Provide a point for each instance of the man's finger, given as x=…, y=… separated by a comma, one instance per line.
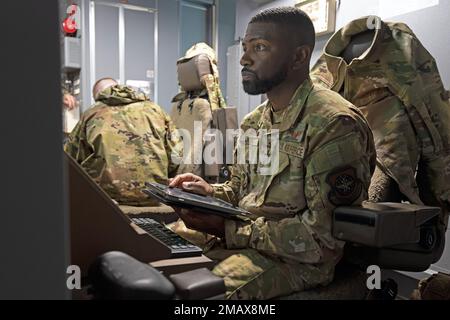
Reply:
x=196, y=187
x=180, y=178
x=173, y=182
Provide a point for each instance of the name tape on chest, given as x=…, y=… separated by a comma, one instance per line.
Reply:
x=292, y=149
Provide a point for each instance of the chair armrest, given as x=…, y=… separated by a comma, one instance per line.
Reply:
x=198, y=284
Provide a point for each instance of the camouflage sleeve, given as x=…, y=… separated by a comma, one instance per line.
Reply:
x=215, y=94
x=78, y=145
x=73, y=145
x=397, y=146
x=337, y=172
x=230, y=190
x=174, y=147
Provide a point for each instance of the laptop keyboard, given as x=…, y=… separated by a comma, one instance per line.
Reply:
x=180, y=247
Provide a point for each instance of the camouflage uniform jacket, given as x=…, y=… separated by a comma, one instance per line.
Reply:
x=326, y=159
x=397, y=86
x=123, y=141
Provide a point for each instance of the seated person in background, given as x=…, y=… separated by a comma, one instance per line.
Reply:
x=123, y=141
x=326, y=159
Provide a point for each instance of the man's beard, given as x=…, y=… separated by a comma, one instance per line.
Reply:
x=258, y=86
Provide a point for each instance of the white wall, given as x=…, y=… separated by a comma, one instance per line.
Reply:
x=244, y=11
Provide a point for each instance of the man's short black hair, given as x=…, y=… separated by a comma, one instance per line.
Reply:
x=295, y=20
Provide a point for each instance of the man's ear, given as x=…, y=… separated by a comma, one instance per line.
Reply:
x=302, y=56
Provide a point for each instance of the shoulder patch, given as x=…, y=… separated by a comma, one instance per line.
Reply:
x=345, y=186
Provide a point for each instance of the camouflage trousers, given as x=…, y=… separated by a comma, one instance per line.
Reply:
x=435, y=287
x=248, y=274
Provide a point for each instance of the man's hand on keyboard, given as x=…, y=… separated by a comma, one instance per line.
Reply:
x=211, y=224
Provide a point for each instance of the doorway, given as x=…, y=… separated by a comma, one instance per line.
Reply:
x=123, y=42
x=197, y=24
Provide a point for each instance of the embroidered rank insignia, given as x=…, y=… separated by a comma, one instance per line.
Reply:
x=345, y=186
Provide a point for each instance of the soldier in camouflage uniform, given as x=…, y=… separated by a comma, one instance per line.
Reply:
x=396, y=84
x=123, y=141
x=326, y=159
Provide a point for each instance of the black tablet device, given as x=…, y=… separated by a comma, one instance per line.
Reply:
x=176, y=197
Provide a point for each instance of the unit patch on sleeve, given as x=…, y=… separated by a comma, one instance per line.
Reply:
x=345, y=186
